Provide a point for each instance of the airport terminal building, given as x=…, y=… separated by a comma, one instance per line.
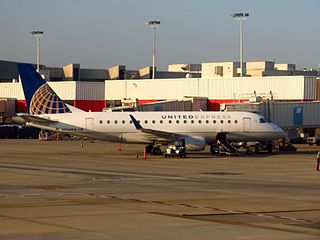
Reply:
x=209, y=86
x=219, y=82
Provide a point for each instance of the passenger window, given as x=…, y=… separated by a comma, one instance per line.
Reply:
x=153, y=121
x=221, y=121
x=123, y=121
x=170, y=121
x=130, y=122
x=108, y=121
x=177, y=121
x=161, y=121
x=199, y=121
x=214, y=121
x=207, y=121
x=100, y=121
x=192, y=121
x=229, y=121
x=235, y=121
x=184, y=121
x=146, y=121
x=115, y=121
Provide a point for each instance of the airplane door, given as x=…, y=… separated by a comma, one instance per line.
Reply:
x=246, y=124
x=89, y=123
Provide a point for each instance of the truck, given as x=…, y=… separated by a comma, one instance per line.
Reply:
x=314, y=140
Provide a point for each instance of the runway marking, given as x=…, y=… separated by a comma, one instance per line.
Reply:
x=194, y=206
x=117, y=175
x=239, y=223
x=265, y=215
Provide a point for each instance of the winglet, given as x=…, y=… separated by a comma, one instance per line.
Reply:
x=136, y=123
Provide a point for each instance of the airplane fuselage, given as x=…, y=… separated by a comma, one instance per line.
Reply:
x=193, y=129
x=118, y=127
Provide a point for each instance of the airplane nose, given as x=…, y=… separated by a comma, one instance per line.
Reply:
x=280, y=132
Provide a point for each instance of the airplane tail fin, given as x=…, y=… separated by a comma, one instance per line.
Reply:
x=40, y=97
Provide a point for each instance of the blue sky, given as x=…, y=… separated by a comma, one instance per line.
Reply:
x=103, y=33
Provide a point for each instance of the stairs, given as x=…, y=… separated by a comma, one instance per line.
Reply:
x=227, y=146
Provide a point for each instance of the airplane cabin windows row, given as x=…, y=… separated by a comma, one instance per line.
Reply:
x=170, y=121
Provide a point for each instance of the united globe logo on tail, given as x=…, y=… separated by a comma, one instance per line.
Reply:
x=45, y=101
x=40, y=97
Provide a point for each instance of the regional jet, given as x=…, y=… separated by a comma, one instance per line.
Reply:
x=195, y=129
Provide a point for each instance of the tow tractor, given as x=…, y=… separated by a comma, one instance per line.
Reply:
x=175, y=151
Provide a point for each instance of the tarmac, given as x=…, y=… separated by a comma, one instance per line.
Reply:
x=60, y=190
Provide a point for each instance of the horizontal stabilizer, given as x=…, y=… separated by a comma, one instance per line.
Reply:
x=36, y=119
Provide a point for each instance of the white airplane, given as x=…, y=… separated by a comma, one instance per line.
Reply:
x=194, y=129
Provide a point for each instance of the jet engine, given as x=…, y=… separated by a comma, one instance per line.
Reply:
x=195, y=143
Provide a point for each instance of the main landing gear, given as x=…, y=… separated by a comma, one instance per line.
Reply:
x=256, y=147
x=153, y=150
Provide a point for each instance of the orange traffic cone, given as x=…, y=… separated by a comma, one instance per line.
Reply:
x=119, y=146
x=144, y=153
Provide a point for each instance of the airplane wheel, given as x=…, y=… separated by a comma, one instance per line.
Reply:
x=249, y=152
x=156, y=151
x=256, y=149
x=149, y=148
x=214, y=149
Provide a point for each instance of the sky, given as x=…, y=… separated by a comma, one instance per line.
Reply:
x=104, y=33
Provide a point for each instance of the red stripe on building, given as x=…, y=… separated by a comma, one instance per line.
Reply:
x=214, y=104
x=21, y=106
x=90, y=105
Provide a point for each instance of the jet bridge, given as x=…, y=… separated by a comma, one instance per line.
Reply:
x=294, y=117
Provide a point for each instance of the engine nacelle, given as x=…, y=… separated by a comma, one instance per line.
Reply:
x=195, y=143
x=18, y=120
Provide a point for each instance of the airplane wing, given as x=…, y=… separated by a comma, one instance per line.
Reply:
x=151, y=134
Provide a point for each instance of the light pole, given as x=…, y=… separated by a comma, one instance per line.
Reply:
x=37, y=35
x=240, y=17
x=153, y=24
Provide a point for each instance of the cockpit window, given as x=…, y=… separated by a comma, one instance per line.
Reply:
x=263, y=120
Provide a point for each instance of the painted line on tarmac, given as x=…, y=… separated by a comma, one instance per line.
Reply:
x=264, y=215
x=98, y=195
x=118, y=175
x=29, y=195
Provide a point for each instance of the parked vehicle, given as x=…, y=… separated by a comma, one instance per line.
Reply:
x=175, y=151
x=314, y=140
